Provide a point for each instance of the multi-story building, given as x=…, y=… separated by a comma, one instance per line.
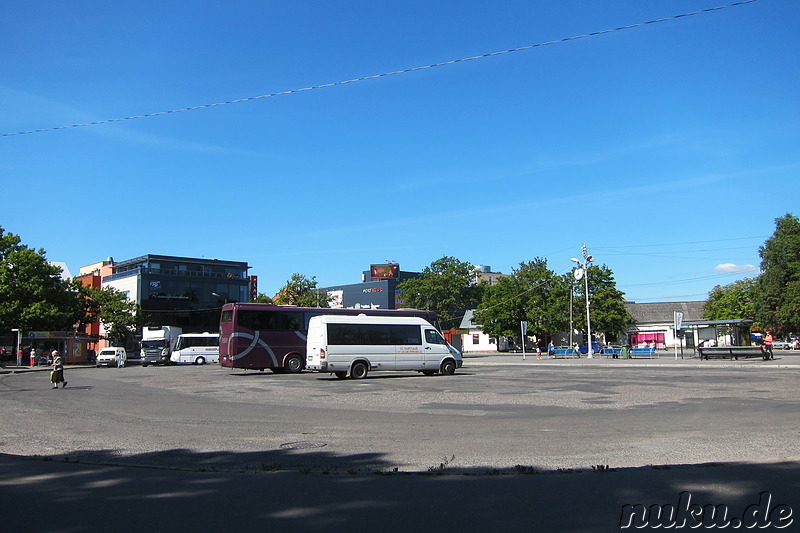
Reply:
x=377, y=290
x=180, y=291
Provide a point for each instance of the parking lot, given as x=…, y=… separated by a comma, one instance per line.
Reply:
x=503, y=444
x=494, y=413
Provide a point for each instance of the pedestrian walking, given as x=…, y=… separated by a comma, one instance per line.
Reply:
x=57, y=374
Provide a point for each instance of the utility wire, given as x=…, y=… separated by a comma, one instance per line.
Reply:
x=385, y=74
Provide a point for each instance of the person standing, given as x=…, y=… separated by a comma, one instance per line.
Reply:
x=768, y=340
x=121, y=357
x=57, y=375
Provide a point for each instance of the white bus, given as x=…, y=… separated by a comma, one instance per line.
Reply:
x=196, y=348
x=356, y=345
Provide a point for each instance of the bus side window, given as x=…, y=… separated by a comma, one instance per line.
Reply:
x=406, y=335
x=288, y=320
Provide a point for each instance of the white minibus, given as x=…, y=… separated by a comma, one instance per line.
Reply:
x=196, y=348
x=356, y=345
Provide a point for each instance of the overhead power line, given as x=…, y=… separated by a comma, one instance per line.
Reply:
x=375, y=76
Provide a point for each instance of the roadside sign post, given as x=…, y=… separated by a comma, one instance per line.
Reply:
x=678, y=325
x=524, y=327
x=19, y=345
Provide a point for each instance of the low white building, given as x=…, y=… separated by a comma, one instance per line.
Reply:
x=473, y=339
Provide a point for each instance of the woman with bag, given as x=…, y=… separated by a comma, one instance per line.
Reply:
x=57, y=374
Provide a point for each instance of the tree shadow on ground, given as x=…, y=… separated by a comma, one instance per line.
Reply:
x=181, y=490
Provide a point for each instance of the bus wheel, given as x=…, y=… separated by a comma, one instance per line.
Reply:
x=359, y=370
x=448, y=368
x=200, y=360
x=293, y=364
x=341, y=375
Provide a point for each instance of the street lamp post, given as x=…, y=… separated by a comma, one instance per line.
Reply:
x=583, y=271
x=571, y=298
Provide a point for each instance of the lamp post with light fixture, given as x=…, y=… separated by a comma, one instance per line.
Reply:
x=583, y=272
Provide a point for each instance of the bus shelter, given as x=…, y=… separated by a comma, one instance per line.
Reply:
x=733, y=332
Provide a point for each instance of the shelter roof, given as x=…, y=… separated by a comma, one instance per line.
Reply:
x=664, y=312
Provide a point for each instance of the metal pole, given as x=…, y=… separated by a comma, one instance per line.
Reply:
x=589, y=350
x=586, y=260
x=571, y=297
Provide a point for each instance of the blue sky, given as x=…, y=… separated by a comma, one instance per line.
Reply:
x=669, y=149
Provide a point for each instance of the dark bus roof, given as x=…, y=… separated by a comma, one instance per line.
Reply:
x=327, y=310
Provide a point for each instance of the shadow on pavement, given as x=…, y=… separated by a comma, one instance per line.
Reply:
x=179, y=490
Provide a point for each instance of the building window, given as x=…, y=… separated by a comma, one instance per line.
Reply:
x=476, y=338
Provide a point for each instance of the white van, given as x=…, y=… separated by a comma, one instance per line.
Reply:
x=356, y=345
x=108, y=356
x=196, y=348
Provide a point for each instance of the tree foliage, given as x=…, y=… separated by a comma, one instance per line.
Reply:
x=446, y=286
x=32, y=294
x=302, y=292
x=535, y=294
x=262, y=298
x=121, y=317
x=606, y=303
x=531, y=293
x=34, y=297
x=732, y=301
x=777, y=294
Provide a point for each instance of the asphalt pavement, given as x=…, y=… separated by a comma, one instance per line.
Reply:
x=68, y=494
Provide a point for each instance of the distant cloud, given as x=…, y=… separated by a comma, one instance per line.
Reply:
x=736, y=269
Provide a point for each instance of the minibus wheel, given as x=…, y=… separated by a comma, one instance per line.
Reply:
x=341, y=375
x=448, y=368
x=359, y=370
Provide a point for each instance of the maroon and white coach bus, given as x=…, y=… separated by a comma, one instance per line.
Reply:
x=261, y=336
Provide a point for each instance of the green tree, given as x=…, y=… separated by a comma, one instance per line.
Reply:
x=531, y=293
x=302, y=292
x=33, y=296
x=262, y=298
x=446, y=286
x=607, y=303
x=121, y=317
x=732, y=301
x=777, y=293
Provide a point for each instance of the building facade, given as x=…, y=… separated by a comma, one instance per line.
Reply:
x=180, y=291
x=378, y=289
x=653, y=323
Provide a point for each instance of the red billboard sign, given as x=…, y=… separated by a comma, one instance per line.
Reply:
x=388, y=271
